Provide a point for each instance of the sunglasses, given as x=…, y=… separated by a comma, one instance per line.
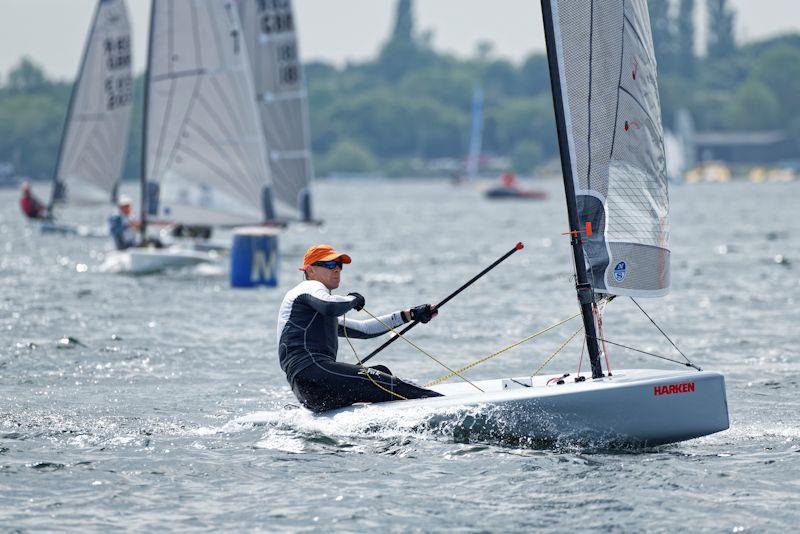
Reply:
x=328, y=264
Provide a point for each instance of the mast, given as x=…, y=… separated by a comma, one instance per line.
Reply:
x=68, y=119
x=143, y=163
x=582, y=286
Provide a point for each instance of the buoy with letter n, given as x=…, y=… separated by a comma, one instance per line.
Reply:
x=254, y=257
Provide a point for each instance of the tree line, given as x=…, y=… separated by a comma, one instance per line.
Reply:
x=412, y=104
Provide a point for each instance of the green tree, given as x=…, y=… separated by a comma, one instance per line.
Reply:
x=663, y=35
x=780, y=67
x=754, y=106
x=26, y=76
x=403, y=52
x=684, y=46
x=403, y=22
x=526, y=156
x=534, y=75
x=347, y=156
x=721, y=42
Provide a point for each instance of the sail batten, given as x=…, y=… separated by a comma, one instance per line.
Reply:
x=612, y=111
x=271, y=39
x=204, y=146
x=94, y=141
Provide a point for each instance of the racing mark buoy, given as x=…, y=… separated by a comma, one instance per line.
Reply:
x=254, y=257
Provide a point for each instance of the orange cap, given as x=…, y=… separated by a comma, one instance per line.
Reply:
x=322, y=253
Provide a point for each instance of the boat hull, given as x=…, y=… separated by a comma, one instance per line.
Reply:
x=502, y=192
x=636, y=407
x=52, y=227
x=153, y=260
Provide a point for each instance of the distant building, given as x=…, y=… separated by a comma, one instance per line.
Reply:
x=747, y=148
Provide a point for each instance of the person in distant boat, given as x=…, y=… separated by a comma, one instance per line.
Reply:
x=31, y=206
x=121, y=227
x=311, y=319
x=509, y=179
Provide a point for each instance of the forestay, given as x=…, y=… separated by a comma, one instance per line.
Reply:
x=204, y=148
x=269, y=31
x=95, y=136
x=610, y=96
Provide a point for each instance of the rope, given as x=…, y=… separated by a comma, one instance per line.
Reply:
x=664, y=333
x=559, y=349
x=499, y=352
x=687, y=364
x=455, y=373
x=366, y=371
x=598, y=313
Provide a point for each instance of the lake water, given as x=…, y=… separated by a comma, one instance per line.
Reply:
x=131, y=424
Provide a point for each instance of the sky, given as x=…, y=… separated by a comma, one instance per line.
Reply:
x=52, y=32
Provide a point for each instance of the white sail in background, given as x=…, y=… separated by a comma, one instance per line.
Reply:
x=476, y=134
x=269, y=31
x=204, y=145
x=95, y=136
x=610, y=97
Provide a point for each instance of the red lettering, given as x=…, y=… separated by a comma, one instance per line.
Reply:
x=686, y=387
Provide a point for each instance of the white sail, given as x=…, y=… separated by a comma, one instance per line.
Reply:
x=610, y=97
x=271, y=38
x=95, y=134
x=204, y=147
x=476, y=134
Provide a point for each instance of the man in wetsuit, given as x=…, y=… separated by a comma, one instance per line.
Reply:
x=31, y=206
x=310, y=320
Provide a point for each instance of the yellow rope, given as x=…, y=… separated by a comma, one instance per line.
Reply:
x=499, y=352
x=455, y=373
x=559, y=349
x=363, y=367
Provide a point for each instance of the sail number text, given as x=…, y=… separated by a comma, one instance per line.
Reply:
x=275, y=16
x=118, y=84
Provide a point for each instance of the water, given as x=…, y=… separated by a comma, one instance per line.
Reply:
x=131, y=423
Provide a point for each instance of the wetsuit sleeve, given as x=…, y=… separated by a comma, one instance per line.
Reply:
x=370, y=327
x=326, y=304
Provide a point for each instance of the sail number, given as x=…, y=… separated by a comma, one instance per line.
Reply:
x=288, y=66
x=118, y=84
x=117, y=52
x=275, y=16
x=118, y=91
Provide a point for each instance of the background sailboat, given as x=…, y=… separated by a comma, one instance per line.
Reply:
x=94, y=140
x=476, y=135
x=271, y=40
x=203, y=160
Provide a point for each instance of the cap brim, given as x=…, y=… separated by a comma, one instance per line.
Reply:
x=330, y=257
x=336, y=256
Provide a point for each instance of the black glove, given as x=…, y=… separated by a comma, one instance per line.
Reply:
x=358, y=301
x=423, y=313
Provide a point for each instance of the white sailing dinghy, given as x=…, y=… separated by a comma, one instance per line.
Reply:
x=476, y=135
x=203, y=152
x=603, y=77
x=94, y=140
x=271, y=40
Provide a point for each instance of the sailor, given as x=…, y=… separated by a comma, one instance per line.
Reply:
x=310, y=319
x=121, y=227
x=31, y=206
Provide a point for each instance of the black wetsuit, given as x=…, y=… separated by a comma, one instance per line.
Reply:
x=309, y=324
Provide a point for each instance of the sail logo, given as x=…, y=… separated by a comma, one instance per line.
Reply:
x=672, y=389
x=631, y=124
x=620, y=270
